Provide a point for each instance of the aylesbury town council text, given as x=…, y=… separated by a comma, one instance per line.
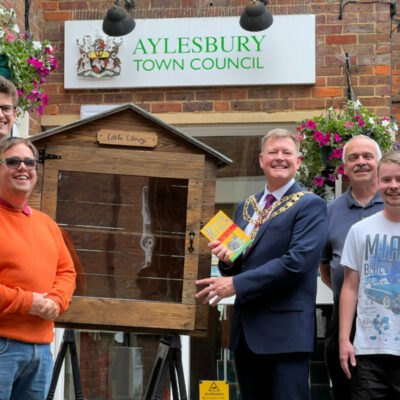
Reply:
x=172, y=53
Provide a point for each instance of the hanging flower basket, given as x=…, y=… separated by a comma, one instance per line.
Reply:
x=29, y=62
x=323, y=138
x=4, y=70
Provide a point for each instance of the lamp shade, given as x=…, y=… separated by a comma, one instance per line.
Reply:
x=255, y=17
x=118, y=22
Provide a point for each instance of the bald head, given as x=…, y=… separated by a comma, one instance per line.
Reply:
x=361, y=139
x=360, y=157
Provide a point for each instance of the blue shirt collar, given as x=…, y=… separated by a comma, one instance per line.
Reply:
x=377, y=199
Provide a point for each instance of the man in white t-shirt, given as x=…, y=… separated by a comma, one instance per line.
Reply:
x=371, y=256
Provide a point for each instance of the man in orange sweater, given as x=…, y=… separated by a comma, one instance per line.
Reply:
x=37, y=277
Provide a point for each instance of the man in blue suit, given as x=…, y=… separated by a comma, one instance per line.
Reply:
x=275, y=280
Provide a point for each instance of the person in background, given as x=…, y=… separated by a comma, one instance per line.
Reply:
x=8, y=106
x=37, y=277
x=371, y=256
x=362, y=199
x=272, y=331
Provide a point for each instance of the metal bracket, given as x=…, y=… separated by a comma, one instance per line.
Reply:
x=43, y=156
x=392, y=4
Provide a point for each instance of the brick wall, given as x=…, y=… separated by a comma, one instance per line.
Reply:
x=396, y=67
x=364, y=33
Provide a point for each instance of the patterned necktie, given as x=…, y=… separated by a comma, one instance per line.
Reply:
x=270, y=199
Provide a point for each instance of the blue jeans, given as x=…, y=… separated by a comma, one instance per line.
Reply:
x=25, y=370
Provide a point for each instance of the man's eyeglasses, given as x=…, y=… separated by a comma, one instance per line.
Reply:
x=15, y=162
x=7, y=109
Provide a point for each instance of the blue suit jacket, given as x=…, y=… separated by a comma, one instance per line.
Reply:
x=276, y=280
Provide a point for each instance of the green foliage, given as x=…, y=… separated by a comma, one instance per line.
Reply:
x=323, y=138
x=30, y=61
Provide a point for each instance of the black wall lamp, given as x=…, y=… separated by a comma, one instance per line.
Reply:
x=119, y=21
x=256, y=17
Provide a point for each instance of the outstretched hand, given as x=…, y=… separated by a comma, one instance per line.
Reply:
x=217, y=289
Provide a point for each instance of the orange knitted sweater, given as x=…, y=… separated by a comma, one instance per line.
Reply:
x=33, y=258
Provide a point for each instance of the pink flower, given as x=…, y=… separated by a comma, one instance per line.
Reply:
x=36, y=63
x=49, y=51
x=326, y=139
x=331, y=178
x=340, y=170
x=337, y=153
x=361, y=122
x=300, y=137
x=319, y=181
x=318, y=136
x=348, y=124
x=40, y=110
x=10, y=37
x=357, y=116
x=310, y=124
x=337, y=138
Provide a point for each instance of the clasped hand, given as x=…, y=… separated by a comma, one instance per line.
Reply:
x=43, y=307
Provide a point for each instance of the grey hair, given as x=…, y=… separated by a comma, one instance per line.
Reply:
x=378, y=150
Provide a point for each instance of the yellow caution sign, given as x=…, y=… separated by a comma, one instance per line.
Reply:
x=213, y=390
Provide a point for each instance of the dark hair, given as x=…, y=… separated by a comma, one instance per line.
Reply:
x=9, y=142
x=8, y=88
x=392, y=157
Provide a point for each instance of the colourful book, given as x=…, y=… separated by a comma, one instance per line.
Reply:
x=222, y=228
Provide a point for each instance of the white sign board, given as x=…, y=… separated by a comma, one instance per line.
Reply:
x=190, y=52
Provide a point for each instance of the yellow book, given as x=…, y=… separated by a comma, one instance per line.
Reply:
x=222, y=228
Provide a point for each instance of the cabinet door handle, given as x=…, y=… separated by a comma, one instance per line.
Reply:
x=191, y=239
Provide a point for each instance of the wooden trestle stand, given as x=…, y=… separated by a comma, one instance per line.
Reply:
x=169, y=357
x=68, y=341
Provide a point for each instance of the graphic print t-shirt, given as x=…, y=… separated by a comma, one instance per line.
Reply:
x=372, y=248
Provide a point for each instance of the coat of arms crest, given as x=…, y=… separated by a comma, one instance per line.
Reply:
x=99, y=57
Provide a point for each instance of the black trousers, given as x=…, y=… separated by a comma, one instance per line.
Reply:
x=340, y=384
x=376, y=377
x=272, y=376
